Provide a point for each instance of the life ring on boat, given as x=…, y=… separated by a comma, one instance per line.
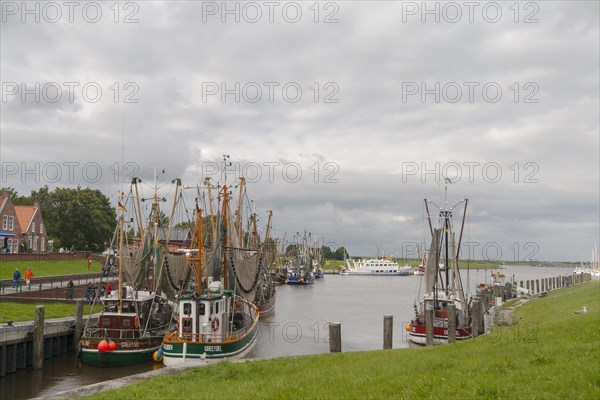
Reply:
x=215, y=324
x=136, y=321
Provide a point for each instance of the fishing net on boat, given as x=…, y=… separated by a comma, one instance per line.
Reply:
x=132, y=265
x=269, y=258
x=432, y=262
x=174, y=273
x=246, y=266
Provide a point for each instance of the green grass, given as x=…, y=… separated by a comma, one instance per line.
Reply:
x=47, y=268
x=334, y=264
x=551, y=353
x=10, y=311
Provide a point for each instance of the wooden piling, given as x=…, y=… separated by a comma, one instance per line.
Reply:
x=335, y=337
x=527, y=282
x=429, y=327
x=388, y=331
x=38, y=338
x=537, y=285
x=451, y=323
x=521, y=284
x=78, y=322
x=475, y=317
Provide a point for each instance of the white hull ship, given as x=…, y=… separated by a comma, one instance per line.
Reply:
x=375, y=266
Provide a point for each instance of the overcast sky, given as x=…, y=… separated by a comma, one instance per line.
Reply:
x=372, y=102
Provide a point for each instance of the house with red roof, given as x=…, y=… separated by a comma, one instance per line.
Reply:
x=22, y=227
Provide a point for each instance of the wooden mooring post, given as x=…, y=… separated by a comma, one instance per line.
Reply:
x=78, y=322
x=38, y=338
x=388, y=331
x=475, y=317
x=451, y=323
x=429, y=326
x=335, y=337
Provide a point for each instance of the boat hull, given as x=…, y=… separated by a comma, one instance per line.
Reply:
x=267, y=308
x=373, y=273
x=192, y=352
x=418, y=334
x=295, y=281
x=128, y=352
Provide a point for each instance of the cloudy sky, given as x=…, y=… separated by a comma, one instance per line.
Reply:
x=343, y=115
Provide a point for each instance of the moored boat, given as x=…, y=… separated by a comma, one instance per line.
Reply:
x=440, y=293
x=135, y=317
x=217, y=314
x=382, y=266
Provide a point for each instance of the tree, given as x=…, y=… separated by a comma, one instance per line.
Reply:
x=15, y=198
x=340, y=253
x=326, y=251
x=77, y=217
x=291, y=250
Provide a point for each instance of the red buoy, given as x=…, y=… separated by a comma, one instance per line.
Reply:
x=103, y=346
x=112, y=346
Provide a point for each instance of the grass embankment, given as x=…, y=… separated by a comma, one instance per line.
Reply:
x=550, y=353
x=47, y=268
x=16, y=312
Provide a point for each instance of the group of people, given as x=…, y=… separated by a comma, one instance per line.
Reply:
x=91, y=291
x=17, y=277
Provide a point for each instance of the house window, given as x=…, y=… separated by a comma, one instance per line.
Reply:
x=9, y=245
x=16, y=246
x=29, y=242
x=35, y=243
x=11, y=223
x=42, y=245
x=41, y=227
x=5, y=222
x=33, y=227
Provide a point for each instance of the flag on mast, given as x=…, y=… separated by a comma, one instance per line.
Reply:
x=120, y=207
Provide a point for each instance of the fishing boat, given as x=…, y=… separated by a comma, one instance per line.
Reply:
x=379, y=266
x=300, y=270
x=266, y=292
x=441, y=290
x=217, y=314
x=135, y=317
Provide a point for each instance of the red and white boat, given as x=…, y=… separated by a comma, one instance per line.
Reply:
x=442, y=289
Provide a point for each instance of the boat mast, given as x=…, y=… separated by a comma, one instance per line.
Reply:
x=155, y=226
x=199, y=257
x=120, y=309
x=177, y=182
x=213, y=229
x=134, y=182
x=446, y=215
x=270, y=214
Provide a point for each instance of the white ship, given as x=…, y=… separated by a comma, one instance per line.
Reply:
x=375, y=266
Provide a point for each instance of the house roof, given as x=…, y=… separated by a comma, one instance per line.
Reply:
x=177, y=234
x=4, y=202
x=25, y=215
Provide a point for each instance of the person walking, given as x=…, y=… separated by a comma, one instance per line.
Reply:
x=89, y=258
x=17, y=278
x=28, y=276
x=70, y=290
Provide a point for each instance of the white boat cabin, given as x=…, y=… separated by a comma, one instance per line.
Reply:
x=207, y=314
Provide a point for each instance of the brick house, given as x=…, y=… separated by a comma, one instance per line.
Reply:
x=22, y=226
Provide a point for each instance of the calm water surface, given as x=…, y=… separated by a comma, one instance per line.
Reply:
x=298, y=326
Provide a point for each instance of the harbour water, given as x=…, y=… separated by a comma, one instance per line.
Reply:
x=299, y=326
